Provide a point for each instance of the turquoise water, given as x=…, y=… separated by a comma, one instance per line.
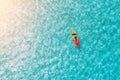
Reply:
x=39, y=46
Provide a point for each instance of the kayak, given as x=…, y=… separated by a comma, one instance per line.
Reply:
x=75, y=38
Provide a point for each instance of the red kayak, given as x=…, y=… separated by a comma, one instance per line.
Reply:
x=75, y=38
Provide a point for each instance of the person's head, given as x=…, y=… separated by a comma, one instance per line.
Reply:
x=75, y=37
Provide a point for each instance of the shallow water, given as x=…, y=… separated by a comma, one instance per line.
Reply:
x=36, y=42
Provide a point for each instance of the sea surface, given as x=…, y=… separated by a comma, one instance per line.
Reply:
x=36, y=41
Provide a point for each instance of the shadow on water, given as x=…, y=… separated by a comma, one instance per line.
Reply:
x=78, y=48
x=75, y=50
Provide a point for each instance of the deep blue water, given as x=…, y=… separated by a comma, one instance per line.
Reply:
x=40, y=45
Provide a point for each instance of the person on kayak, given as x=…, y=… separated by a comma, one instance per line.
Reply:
x=75, y=38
